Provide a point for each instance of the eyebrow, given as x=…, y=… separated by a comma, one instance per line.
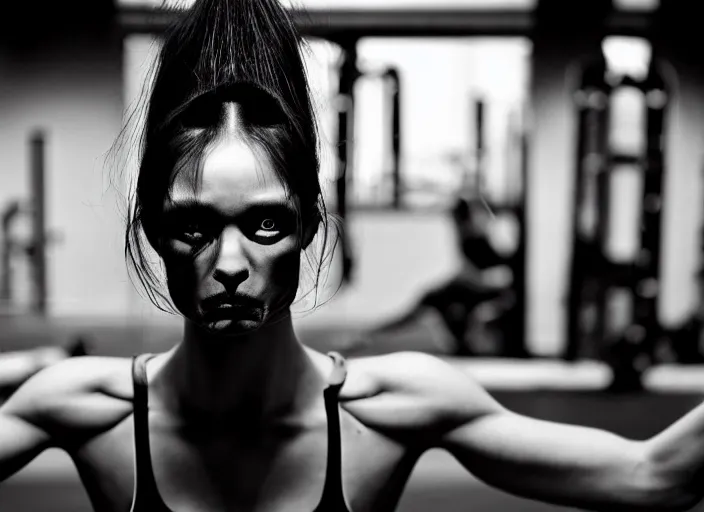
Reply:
x=195, y=205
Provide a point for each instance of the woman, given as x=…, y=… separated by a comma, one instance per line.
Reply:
x=239, y=415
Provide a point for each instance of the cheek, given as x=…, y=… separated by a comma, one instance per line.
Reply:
x=181, y=260
x=281, y=267
x=185, y=275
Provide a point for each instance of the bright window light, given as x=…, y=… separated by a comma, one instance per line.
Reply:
x=627, y=55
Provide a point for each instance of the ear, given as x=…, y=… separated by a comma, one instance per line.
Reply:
x=311, y=229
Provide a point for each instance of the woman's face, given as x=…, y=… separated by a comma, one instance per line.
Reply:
x=231, y=244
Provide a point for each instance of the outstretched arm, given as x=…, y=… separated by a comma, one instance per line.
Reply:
x=423, y=400
x=22, y=435
x=576, y=466
x=62, y=406
x=678, y=455
x=20, y=443
x=18, y=366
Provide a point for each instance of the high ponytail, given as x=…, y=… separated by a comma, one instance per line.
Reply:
x=247, y=51
x=224, y=42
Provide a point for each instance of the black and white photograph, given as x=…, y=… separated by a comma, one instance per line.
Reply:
x=351, y=256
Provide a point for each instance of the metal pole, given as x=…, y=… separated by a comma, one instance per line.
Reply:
x=38, y=201
x=646, y=297
x=345, y=143
x=8, y=216
x=479, y=148
x=516, y=343
x=592, y=100
x=392, y=76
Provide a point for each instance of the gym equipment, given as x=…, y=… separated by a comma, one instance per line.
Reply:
x=35, y=249
x=594, y=276
x=349, y=74
x=9, y=215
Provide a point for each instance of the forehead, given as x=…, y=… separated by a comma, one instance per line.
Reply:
x=233, y=171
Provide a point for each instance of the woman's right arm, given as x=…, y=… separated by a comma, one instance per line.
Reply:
x=25, y=421
x=62, y=406
x=18, y=366
x=20, y=442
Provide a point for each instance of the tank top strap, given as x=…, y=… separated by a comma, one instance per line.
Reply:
x=337, y=376
x=145, y=484
x=333, y=495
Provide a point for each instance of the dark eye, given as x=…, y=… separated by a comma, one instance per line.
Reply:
x=191, y=224
x=268, y=225
x=268, y=228
x=192, y=233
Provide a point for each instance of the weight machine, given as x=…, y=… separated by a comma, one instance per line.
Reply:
x=35, y=249
x=594, y=276
x=349, y=74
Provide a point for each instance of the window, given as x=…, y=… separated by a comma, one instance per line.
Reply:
x=627, y=55
x=443, y=84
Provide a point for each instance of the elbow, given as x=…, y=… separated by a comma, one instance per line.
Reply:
x=676, y=501
x=667, y=486
x=673, y=499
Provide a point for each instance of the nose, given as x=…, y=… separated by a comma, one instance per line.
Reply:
x=232, y=266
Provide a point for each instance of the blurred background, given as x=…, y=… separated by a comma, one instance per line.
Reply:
x=519, y=182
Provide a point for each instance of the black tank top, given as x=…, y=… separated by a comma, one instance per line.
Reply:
x=146, y=494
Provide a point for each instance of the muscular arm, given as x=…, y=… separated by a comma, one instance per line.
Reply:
x=562, y=464
x=20, y=443
x=678, y=455
x=18, y=366
x=424, y=400
x=61, y=406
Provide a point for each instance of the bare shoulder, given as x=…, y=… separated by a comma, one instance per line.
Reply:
x=412, y=391
x=75, y=398
x=415, y=372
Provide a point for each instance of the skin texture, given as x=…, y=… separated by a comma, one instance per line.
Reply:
x=18, y=366
x=237, y=418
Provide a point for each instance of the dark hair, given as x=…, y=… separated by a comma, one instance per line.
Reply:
x=246, y=51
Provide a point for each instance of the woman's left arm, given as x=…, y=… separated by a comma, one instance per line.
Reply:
x=425, y=400
x=583, y=467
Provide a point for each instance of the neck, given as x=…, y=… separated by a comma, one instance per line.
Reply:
x=260, y=376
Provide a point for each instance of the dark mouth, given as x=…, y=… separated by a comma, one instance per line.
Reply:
x=227, y=307
x=229, y=313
